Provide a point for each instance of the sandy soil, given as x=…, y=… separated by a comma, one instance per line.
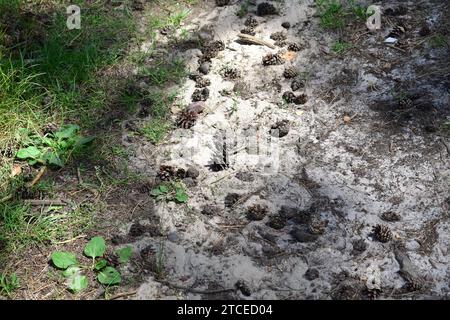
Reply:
x=367, y=149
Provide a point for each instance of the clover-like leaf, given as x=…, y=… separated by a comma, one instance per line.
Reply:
x=95, y=248
x=63, y=260
x=109, y=276
x=77, y=283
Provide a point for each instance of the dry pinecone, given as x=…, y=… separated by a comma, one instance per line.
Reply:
x=289, y=96
x=211, y=50
x=222, y=3
x=201, y=82
x=265, y=9
x=382, y=233
x=294, y=47
x=277, y=36
x=190, y=115
x=166, y=173
x=397, y=31
x=249, y=30
x=231, y=73
x=301, y=99
x=276, y=222
x=50, y=128
x=297, y=85
x=280, y=43
x=216, y=45
x=251, y=22
x=256, y=212
x=273, y=59
x=390, y=216
x=200, y=95
x=290, y=72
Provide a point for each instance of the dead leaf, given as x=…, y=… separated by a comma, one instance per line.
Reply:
x=15, y=171
x=347, y=119
x=289, y=56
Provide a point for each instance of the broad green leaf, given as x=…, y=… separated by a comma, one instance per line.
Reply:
x=67, y=131
x=77, y=282
x=95, y=248
x=125, y=254
x=181, y=197
x=53, y=158
x=30, y=152
x=163, y=188
x=100, y=264
x=71, y=271
x=63, y=259
x=109, y=276
x=156, y=192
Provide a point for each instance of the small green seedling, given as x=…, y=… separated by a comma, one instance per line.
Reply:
x=8, y=284
x=95, y=249
x=340, y=47
x=52, y=149
x=171, y=191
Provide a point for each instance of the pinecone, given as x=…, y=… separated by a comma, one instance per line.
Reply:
x=297, y=84
x=222, y=3
x=278, y=36
x=256, y=212
x=231, y=73
x=200, y=95
x=202, y=82
x=276, y=222
x=397, y=31
x=166, y=173
x=216, y=45
x=290, y=72
x=50, y=128
x=280, y=43
x=211, y=50
x=294, y=47
x=301, y=99
x=382, y=233
x=265, y=9
x=289, y=96
x=251, y=22
x=190, y=115
x=390, y=216
x=317, y=227
x=286, y=25
x=249, y=30
x=273, y=59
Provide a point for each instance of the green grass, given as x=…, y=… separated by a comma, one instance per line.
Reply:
x=8, y=284
x=341, y=47
x=334, y=14
x=243, y=9
x=21, y=227
x=165, y=71
x=438, y=41
x=331, y=13
x=156, y=130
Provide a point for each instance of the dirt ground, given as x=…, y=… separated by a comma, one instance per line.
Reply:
x=336, y=190
x=349, y=202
